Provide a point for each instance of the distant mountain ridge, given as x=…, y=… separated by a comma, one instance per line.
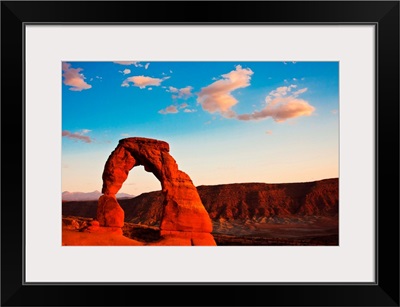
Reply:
x=260, y=202
x=85, y=196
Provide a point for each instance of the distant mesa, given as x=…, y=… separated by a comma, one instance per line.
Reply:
x=241, y=214
x=85, y=196
x=183, y=213
x=248, y=202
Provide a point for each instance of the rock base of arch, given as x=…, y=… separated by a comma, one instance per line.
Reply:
x=195, y=238
x=109, y=212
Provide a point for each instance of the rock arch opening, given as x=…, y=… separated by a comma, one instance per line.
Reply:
x=183, y=212
x=140, y=181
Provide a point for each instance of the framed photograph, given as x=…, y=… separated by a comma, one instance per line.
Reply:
x=249, y=152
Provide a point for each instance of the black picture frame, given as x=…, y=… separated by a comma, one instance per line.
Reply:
x=383, y=14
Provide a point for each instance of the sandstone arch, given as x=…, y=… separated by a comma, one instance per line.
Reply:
x=183, y=212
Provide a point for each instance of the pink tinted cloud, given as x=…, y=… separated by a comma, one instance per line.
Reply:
x=300, y=91
x=281, y=91
x=73, y=78
x=185, y=108
x=282, y=104
x=168, y=110
x=281, y=110
x=217, y=96
x=78, y=135
x=184, y=92
x=143, y=81
x=126, y=71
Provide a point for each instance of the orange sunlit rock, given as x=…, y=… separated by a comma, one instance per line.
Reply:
x=109, y=212
x=183, y=210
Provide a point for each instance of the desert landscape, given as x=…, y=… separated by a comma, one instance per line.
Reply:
x=200, y=153
x=242, y=214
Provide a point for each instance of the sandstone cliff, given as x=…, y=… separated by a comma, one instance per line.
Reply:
x=261, y=202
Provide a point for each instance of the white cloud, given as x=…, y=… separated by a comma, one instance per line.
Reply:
x=73, y=78
x=147, y=65
x=143, y=81
x=135, y=63
x=217, y=96
x=189, y=110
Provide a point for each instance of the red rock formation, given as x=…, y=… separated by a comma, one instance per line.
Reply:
x=237, y=201
x=183, y=210
x=109, y=212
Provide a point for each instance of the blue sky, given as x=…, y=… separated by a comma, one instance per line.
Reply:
x=225, y=122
